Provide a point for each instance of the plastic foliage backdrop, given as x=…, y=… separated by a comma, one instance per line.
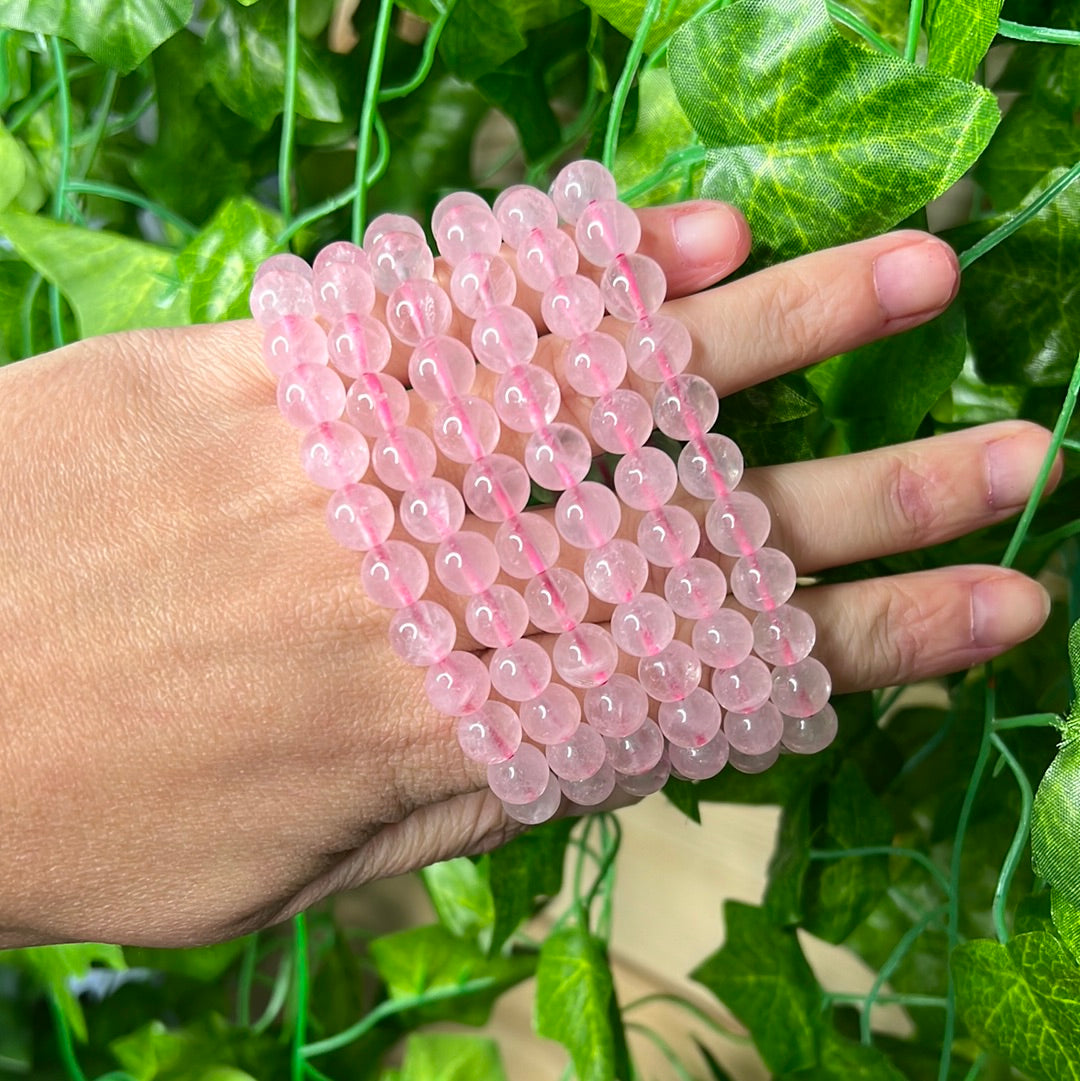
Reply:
x=151, y=154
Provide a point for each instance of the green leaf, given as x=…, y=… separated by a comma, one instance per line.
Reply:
x=845, y=1060
x=1066, y=917
x=459, y=892
x=1023, y=1001
x=120, y=34
x=573, y=996
x=888, y=17
x=768, y=422
x=844, y=143
x=12, y=168
x=789, y=863
x=204, y=963
x=625, y=16
x=761, y=975
x=959, y=33
x=480, y=36
x=445, y=1057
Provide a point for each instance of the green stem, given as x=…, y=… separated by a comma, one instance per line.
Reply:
x=431, y=43
x=288, y=113
x=678, y=159
x=371, y=95
x=1051, y=34
x=1016, y=849
x=300, y=966
x=853, y=997
x=665, y=1049
x=1071, y=444
x=626, y=80
x=915, y=14
x=278, y=995
x=976, y=1068
x=1027, y=720
x=1055, y=536
x=691, y=1008
x=26, y=109
x=63, y=91
x=63, y=1041
x=245, y=981
x=912, y=854
x=887, y=700
x=26, y=314
x=853, y=22
x=123, y=195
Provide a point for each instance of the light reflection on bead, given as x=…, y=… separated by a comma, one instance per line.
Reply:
x=764, y=580
x=579, y=756
x=334, y=454
x=637, y=752
x=294, y=340
x=587, y=515
x=382, y=224
x=544, y=807
x=417, y=310
x=808, y=735
x=607, y=228
x=423, y=633
x=432, y=510
x=520, y=209
x=594, y=364
x=577, y=185
x=503, y=338
x=496, y=488
x=480, y=282
x=520, y=671
x=801, y=689
x=784, y=635
x=643, y=626
x=527, y=398
x=744, y=687
x=394, y=575
x=591, y=791
x=343, y=288
x=441, y=369
x=658, y=348
x=646, y=478
x=497, y=617
x=723, y=639
x=738, y=525
x=544, y=256
x=467, y=563
x=558, y=457
x=310, y=394
x=700, y=763
x=616, y=572
x=618, y=707
x=490, y=734
x=466, y=429
x=458, y=684
x=671, y=674
x=668, y=536
x=692, y=722
x=645, y=784
x=359, y=344
x=695, y=589
x=756, y=732
x=360, y=516
x=341, y=251
x=553, y=716
x=633, y=287
x=572, y=305
x=586, y=656
x=686, y=407
x=557, y=600
x=278, y=293
x=399, y=257
x=527, y=545
x=621, y=421
x=711, y=470
x=402, y=457
x=523, y=778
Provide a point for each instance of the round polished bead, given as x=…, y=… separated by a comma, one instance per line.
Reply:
x=695, y=589
x=700, y=763
x=394, y=575
x=496, y=488
x=723, y=639
x=431, y=510
x=520, y=209
x=527, y=545
x=539, y=810
x=497, y=617
x=643, y=626
x=400, y=257
x=544, y=256
x=607, y=228
x=658, y=348
x=557, y=600
x=646, y=478
x=645, y=784
x=633, y=287
x=616, y=572
x=359, y=344
x=527, y=398
x=579, y=756
x=441, y=369
x=785, y=635
x=458, y=685
x=279, y=293
x=376, y=404
x=738, y=525
x=423, y=633
x=466, y=229
x=285, y=262
x=587, y=515
x=466, y=429
x=753, y=763
x=521, y=779
x=558, y=457
x=467, y=563
x=712, y=469
x=334, y=454
x=417, y=310
x=480, y=282
x=686, y=407
x=621, y=421
x=503, y=338
x=341, y=251
x=671, y=674
x=693, y=722
x=744, y=687
x=520, y=671
x=754, y=733
x=360, y=516
x=293, y=340
x=668, y=536
x=382, y=224
x=764, y=580
x=592, y=790
x=594, y=364
x=808, y=735
x=455, y=201
x=638, y=751
x=403, y=457
x=586, y=656
x=618, y=707
x=490, y=734
x=343, y=288
x=579, y=184
x=801, y=689
x=552, y=716
x=310, y=394
x=571, y=306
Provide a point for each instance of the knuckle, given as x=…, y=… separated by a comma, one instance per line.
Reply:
x=911, y=508
x=799, y=308
x=911, y=622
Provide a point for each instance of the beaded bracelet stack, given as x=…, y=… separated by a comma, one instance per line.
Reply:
x=623, y=704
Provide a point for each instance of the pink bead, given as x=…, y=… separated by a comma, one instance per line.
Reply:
x=668, y=536
x=754, y=733
x=753, y=763
x=286, y=263
x=544, y=256
x=441, y=369
x=591, y=791
x=520, y=209
x=279, y=293
x=527, y=545
x=377, y=404
x=557, y=600
x=700, y=763
x=616, y=572
x=341, y=251
x=504, y=337
x=784, y=635
x=497, y=617
x=310, y=394
x=577, y=185
x=394, y=575
x=686, y=408
x=403, y=457
x=764, y=580
x=693, y=722
x=552, y=716
x=571, y=306
x=645, y=784
x=607, y=228
x=423, y=633
x=521, y=779
x=527, y=398
x=490, y=734
x=455, y=201
x=466, y=229
x=467, y=563
x=578, y=757
x=586, y=656
x=808, y=735
x=382, y=224
x=658, y=348
x=360, y=516
x=480, y=282
x=744, y=687
x=594, y=364
x=633, y=287
x=343, y=288
x=558, y=457
x=431, y=510
x=695, y=589
x=738, y=525
x=466, y=429
x=359, y=344
x=334, y=454
x=637, y=752
x=645, y=479
x=544, y=807
x=617, y=708
x=643, y=626
x=723, y=639
x=496, y=488
x=458, y=684
x=671, y=674
x=621, y=421
x=293, y=340
x=713, y=470
x=520, y=671
x=588, y=515
x=801, y=689
x=399, y=257
x=417, y=310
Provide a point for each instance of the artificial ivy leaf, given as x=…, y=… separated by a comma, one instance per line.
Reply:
x=119, y=34
x=845, y=1060
x=480, y=36
x=959, y=33
x=768, y=421
x=1066, y=917
x=12, y=168
x=625, y=16
x=971, y=401
x=16, y=279
x=446, y=1057
x=460, y=895
x=789, y=863
x=761, y=975
x=204, y=963
x=817, y=139
x=888, y=17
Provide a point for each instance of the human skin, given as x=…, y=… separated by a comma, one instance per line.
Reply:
x=202, y=728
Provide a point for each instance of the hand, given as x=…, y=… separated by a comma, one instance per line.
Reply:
x=202, y=729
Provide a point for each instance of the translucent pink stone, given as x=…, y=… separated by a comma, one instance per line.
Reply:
x=465, y=229
x=285, y=262
x=399, y=257
x=395, y=574
x=784, y=635
x=557, y=600
x=417, y=310
x=754, y=733
x=293, y=340
x=467, y=563
x=638, y=751
x=753, y=763
x=466, y=429
x=744, y=687
x=686, y=407
x=645, y=479
x=586, y=656
x=658, y=348
x=558, y=457
x=458, y=685
x=377, y=404
x=605, y=229
x=693, y=722
x=441, y=369
x=341, y=288
x=480, y=282
x=645, y=784
x=695, y=589
x=668, y=536
x=579, y=756
x=723, y=639
x=341, y=251
x=527, y=398
x=360, y=516
x=423, y=633
x=497, y=617
x=591, y=791
x=544, y=807
x=552, y=716
x=617, y=708
x=432, y=510
x=527, y=545
x=520, y=671
x=403, y=457
x=358, y=344
x=763, y=580
x=700, y=763
x=616, y=572
x=621, y=421
x=808, y=735
x=738, y=525
x=587, y=515
x=643, y=626
x=633, y=287
x=503, y=338
x=571, y=306
x=279, y=293
x=711, y=470
x=521, y=779
x=522, y=208
x=496, y=488
x=455, y=201
x=544, y=256
x=334, y=454
x=310, y=394
x=671, y=674
x=577, y=185
x=490, y=734
x=594, y=364
x=382, y=224
x=801, y=689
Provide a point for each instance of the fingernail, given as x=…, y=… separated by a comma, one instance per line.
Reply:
x=915, y=279
x=1007, y=610
x=1012, y=464
x=707, y=235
